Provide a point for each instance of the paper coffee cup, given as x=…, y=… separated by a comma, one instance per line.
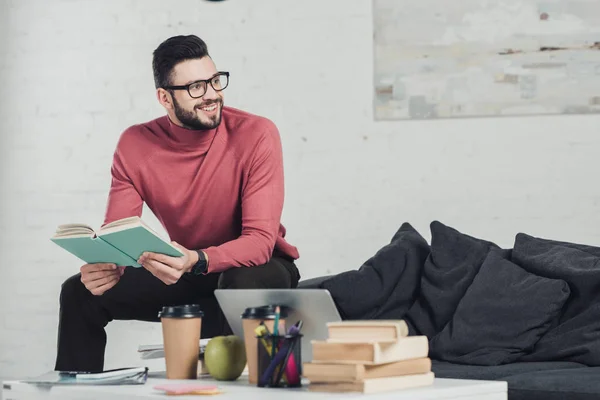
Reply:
x=181, y=326
x=251, y=319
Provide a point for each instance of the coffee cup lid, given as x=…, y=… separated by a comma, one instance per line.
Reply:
x=265, y=312
x=183, y=311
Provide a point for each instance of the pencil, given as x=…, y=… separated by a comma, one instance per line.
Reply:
x=276, y=327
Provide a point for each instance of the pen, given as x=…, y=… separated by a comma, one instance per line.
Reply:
x=275, y=343
x=289, y=363
x=276, y=327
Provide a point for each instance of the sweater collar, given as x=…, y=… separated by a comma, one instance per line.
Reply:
x=192, y=139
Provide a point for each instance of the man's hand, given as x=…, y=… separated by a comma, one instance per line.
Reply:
x=166, y=268
x=98, y=278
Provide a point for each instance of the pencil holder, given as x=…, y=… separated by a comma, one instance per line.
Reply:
x=279, y=360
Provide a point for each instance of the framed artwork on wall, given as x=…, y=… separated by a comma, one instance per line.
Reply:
x=485, y=58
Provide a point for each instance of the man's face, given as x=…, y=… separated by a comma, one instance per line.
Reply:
x=196, y=113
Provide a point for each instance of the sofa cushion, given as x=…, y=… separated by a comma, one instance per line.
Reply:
x=531, y=380
x=502, y=315
x=444, y=369
x=577, y=336
x=449, y=270
x=558, y=384
x=576, y=264
x=386, y=285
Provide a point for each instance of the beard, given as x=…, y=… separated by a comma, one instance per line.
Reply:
x=191, y=120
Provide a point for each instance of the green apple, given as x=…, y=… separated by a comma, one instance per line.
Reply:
x=225, y=357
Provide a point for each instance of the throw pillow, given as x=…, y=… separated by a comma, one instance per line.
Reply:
x=576, y=264
x=385, y=286
x=503, y=314
x=576, y=337
x=449, y=270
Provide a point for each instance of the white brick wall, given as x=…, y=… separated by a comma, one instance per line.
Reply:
x=76, y=73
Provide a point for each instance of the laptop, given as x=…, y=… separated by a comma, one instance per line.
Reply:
x=315, y=307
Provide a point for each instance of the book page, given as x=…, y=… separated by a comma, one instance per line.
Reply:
x=122, y=223
x=76, y=225
x=126, y=224
x=75, y=229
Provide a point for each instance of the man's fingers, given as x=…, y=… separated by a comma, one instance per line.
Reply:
x=103, y=281
x=159, y=266
x=161, y=271
x=150, y=267
x=96, y=275
x=105, y=286
x=90, y=277
x=98, y=267
x=178, y=246
x=162, y=258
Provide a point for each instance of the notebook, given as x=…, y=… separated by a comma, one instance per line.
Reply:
x=120, y=376
x=152, y=351
x=120, y=242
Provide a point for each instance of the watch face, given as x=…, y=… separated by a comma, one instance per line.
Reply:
x=199, y=267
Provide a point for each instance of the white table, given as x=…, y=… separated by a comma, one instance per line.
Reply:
x=455, y=389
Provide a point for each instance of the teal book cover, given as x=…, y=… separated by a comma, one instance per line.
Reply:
x=121, y=242
x=93, y=250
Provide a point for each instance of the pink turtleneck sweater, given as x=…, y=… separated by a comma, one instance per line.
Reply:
x=220, y=191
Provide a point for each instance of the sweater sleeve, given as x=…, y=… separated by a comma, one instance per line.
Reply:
x=123, y=198
x=261, y=205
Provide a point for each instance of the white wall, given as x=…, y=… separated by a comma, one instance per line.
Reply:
x=77, y=73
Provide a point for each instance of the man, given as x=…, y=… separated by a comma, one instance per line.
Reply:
x=213, y=176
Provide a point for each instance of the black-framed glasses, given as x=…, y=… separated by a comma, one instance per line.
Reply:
x=196, y=89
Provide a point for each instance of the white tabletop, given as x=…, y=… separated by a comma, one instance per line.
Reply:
x=441, y=389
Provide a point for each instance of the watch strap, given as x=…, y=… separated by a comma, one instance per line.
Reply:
x=201, y=266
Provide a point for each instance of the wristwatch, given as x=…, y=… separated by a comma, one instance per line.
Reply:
x=201, y=266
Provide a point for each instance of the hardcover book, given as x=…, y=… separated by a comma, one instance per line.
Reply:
x=376, y=385
x=120, y=242
x=333, y=372
x=373, y=353
x=369, y=330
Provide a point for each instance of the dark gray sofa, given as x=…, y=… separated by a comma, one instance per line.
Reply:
x=529, y=315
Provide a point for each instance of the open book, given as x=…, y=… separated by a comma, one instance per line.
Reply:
x=120, y=242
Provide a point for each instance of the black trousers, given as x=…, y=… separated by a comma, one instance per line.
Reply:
x=140, y=296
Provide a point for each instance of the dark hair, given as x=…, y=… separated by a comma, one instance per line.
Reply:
x=173, y=51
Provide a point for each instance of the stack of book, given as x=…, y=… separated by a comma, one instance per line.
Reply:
x=368, y=357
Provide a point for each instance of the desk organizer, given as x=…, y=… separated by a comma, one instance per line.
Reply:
x=279, y=360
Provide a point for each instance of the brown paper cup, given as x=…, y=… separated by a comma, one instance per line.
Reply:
x=181, y=328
